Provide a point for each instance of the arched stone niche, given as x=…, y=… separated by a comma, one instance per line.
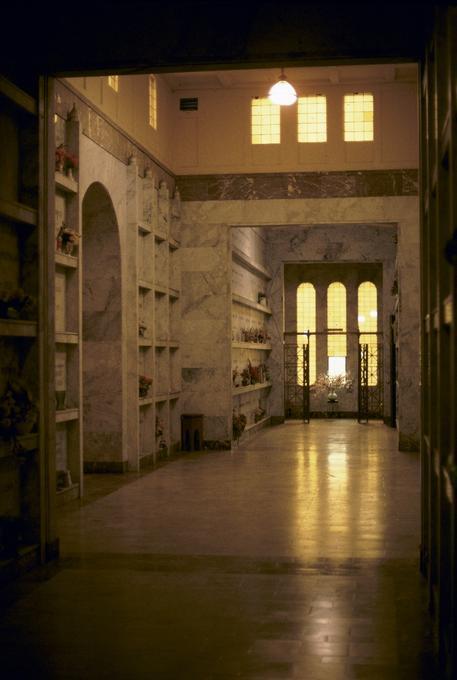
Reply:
x=102, y=333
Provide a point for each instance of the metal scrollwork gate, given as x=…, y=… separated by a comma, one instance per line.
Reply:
x=370, y=382
x=296, y=379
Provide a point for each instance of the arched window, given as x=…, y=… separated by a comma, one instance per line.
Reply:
x=336, y=327
x=306, y=321
x=367, y=316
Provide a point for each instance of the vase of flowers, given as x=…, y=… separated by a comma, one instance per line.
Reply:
x=16, y=304
x=144, y=383
x=18, y=410
x=333, y=384
x=67, y=239
x=239, y=421
x=66, y=161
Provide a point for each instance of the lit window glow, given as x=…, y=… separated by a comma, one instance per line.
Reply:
x=358, y=117
x=306, y=321
x=113, y=82
x=336, y=366
x=265, y=122
x=336, y=320
x=152, y=102
x=312, y=119
x=367, y=303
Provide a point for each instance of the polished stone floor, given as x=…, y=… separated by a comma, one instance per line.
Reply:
x=294, y=556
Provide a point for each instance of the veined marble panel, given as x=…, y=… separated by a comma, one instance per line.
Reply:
x=259, y=186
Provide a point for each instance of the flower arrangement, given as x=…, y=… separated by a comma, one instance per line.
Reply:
x=259, y=414
x=239, y=421
x=16, y=304
x=332, y=384
x=65, y=160
x=66, y=240
x=18, y=411
x=144, y=383
x=254, y=335
x=159, y=427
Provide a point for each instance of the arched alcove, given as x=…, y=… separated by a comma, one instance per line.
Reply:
x=102, y=333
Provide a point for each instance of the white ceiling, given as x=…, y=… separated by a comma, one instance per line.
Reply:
x=263, y=78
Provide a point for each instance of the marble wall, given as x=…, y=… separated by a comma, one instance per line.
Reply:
x=205, y=325
x=119, y=290
x=206, y=235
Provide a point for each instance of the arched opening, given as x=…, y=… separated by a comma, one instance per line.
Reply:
x=102, y=333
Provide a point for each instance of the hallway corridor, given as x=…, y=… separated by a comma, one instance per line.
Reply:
x=294, y=556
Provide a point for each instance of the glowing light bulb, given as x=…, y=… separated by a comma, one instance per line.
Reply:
x=282, y=92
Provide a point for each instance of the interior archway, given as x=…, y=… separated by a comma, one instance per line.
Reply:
x=102, y=333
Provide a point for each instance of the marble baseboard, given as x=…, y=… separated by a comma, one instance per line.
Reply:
x=148, y=461
x=217, y=444
x=333, y=184
x=407, y=442
x=105, y=466
x=26, y=560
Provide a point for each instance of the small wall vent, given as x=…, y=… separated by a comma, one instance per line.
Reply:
x=188, y=104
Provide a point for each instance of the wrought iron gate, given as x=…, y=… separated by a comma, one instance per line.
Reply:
x=296, y=379
x=370, y=382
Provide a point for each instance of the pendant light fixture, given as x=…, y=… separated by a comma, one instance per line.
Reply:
x=282, y=92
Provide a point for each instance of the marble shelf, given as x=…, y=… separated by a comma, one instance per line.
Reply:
x=18, y=212
x=160, y=236
x=175, y=395
x=173, y=243
x=66, y=415
x=144, y=228
x=258, y=424
x=160, y=290
x=147, y=401
x=65, y=338
x=67, y=494
x=254, y=267
x=66, y=260
x=145, y=342
x=266, y=347
x=161, y=397
x=240, y=300
x=173, y=345
x=145, y=285
x=66, y=184
x=17, y=328
x=161, y=344
x=250, y=388
x=173, y=293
